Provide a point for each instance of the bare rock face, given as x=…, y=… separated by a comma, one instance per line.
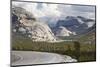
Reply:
x=42, y=32
x=62, y=31
x=25, y=23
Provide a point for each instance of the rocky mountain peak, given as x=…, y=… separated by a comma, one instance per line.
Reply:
x=24, y=23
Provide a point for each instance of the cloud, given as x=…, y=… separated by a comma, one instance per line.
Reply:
x=84, y=8
x=53, y=12
x=77, y=10
x=39, y=9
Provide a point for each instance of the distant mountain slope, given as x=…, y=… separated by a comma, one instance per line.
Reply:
x=25, y=23
x=62, y=31
x=78, y=24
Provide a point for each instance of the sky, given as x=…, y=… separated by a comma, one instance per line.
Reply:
x=51, y=13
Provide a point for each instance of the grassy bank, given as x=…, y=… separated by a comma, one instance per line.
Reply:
x=75, y=49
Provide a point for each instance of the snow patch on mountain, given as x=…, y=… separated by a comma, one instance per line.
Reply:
x=76, y=24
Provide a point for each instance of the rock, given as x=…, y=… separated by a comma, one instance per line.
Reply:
x=62, y=31
x=42, y=32
x=77, y=24
x=24, y=23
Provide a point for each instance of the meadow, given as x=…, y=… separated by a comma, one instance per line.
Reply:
x=76, y=49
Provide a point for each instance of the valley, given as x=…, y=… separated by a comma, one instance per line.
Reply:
x=34, y=34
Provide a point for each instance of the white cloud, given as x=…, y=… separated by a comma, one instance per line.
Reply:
x=46, y=9
x=52, y=12
x=76, y=10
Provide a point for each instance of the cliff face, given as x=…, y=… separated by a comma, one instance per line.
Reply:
x=25, y=23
